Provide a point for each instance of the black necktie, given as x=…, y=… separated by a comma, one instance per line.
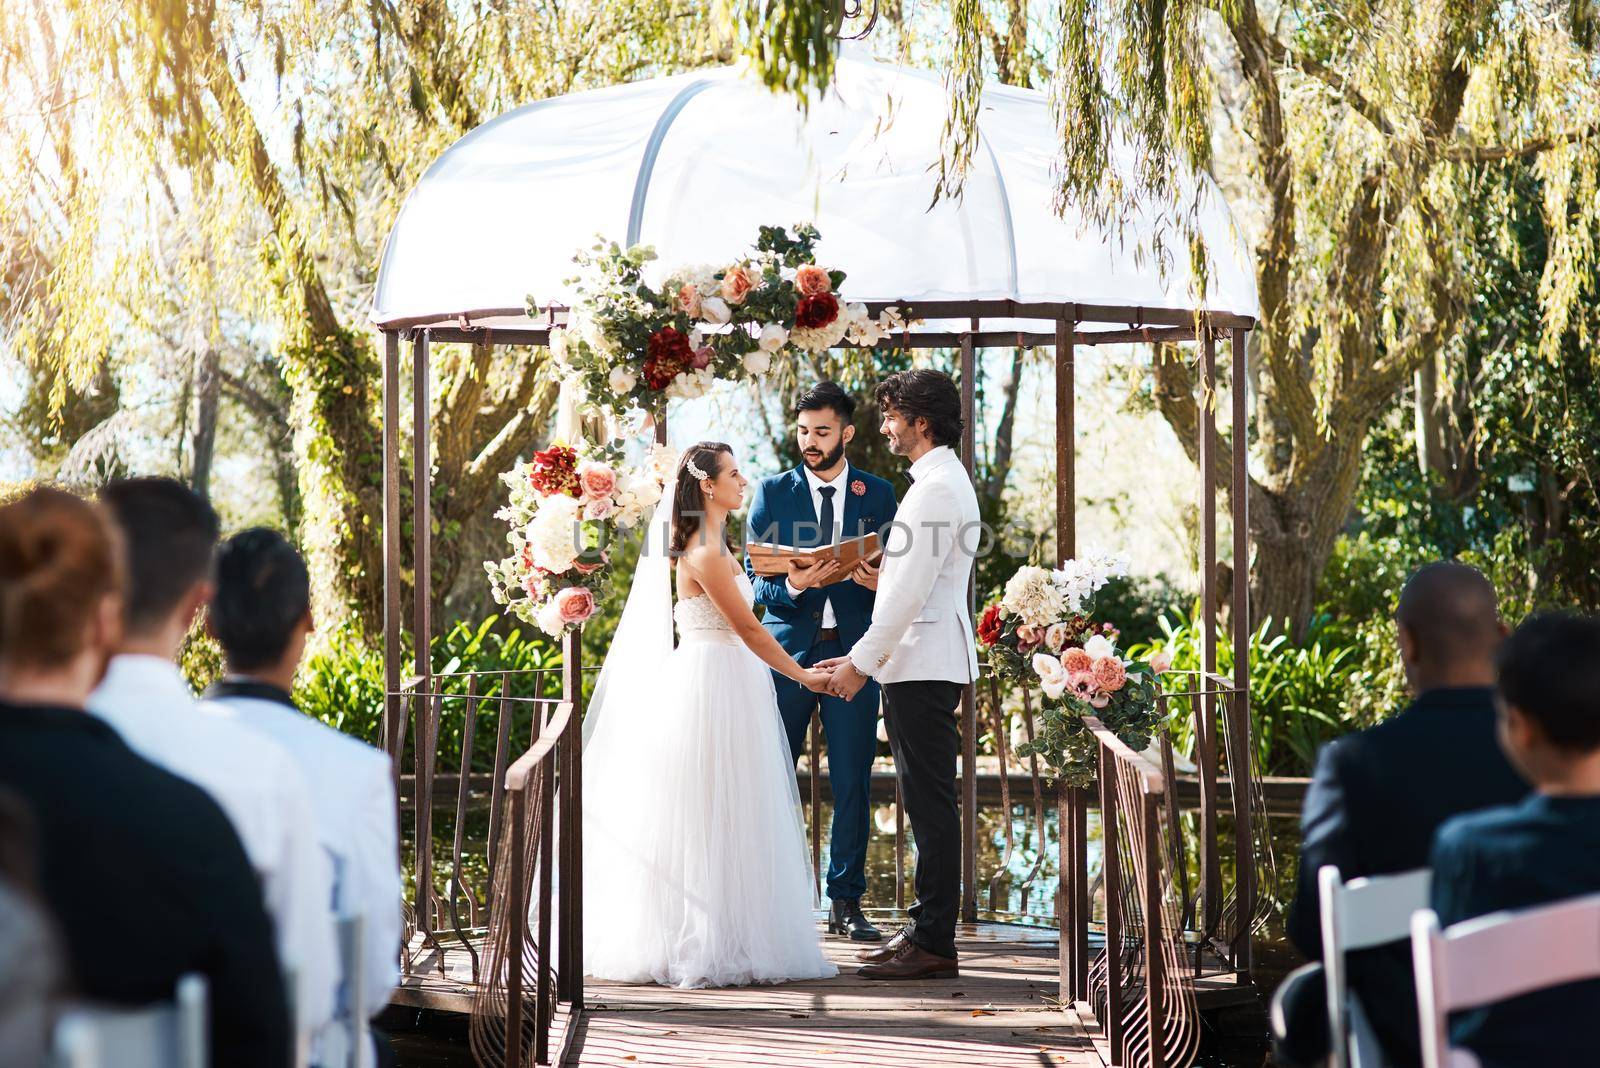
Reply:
x=826, y=518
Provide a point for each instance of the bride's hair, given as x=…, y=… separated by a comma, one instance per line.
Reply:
x=708, y=458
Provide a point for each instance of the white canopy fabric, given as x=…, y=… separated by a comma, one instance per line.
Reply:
x=694, y=164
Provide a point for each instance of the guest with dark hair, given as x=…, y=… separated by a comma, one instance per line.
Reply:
x=141, y=870
x=1377, y=797
x=1544, y=850
x=170, y=534
x=261, y=616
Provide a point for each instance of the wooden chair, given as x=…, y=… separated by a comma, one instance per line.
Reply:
x=1362, y=914
x=1495, y=957
x=168, y=1035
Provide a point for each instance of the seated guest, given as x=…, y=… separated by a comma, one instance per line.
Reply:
x=1545, y=849
x=1377, y=796
x=261, y=616
x=143, y=873
x=169, y=534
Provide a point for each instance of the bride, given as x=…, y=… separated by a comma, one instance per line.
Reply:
x=695, y=865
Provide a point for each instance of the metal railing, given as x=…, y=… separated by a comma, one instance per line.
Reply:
x=505, y=920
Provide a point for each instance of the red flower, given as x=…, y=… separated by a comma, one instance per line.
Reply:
x=859, y=488
x=989, y=626
x=555, y=471
x=669, y=354
x=817, y=311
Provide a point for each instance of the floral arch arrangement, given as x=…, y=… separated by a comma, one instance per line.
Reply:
x=629, y=345
x=567, y=506
x=1041, y=633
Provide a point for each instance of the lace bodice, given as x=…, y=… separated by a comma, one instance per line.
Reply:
x=698, y=613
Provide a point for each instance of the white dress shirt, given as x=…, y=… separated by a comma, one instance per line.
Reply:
x=835, y=535
x=352, y=790
x=921, y=621
x=146, y=700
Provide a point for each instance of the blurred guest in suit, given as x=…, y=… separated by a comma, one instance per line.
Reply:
x=169, y=533
x=1377, y=796
x=1545, y=849
x=261, y=616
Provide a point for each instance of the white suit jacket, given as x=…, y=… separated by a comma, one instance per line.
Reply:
x=264, y=795
x=353, y=792
x=921, y=623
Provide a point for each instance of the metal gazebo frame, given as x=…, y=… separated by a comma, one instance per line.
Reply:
x=1062, y=327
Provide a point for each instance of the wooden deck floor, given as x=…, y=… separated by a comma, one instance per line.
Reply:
x=1001, y=1012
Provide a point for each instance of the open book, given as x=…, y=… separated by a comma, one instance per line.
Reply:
x=770, y=559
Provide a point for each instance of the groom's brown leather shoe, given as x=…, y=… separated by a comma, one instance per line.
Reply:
x=885, y=951
x=911, y=961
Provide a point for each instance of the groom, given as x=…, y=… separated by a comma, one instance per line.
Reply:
x=920, y=649
x=816, y=613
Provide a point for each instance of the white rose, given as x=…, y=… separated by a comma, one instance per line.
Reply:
x=559, y=344
x=715, y=311
x=757, y=362
x=1052, y=676
x=1099, y=646
x=773, y=338
x=549, y=619
x=621, y=381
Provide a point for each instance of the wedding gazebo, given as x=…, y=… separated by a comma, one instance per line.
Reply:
x=693, y=164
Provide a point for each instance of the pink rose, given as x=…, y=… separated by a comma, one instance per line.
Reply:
x=1099, y=700
x=737, y=283
x=1029, y=636
x=1082, y=684
x=701, y=358
x=599, y=508
x=1161, y=663
x=689, y=298
x=1076, y=661
x=596, y=480
x=574, y=604
x=1109, y=674
x=812, y=281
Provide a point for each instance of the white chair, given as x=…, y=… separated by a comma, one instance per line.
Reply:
x=1357, y=915
x=1495, y=957
x=168, y=1035
x=355, y=1013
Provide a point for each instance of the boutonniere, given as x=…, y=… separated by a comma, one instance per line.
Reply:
x=859, y=488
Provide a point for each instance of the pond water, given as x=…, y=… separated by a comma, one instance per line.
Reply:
x=1024, y=892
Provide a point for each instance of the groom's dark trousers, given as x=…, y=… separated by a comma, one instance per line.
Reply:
x=925, y=737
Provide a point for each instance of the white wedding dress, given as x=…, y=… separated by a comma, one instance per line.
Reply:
x=695, y=865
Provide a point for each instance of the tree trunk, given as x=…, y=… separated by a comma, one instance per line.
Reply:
x=329, y=370
x=208, y=389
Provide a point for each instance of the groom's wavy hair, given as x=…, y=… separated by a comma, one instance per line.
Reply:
x=927, y=394
x=688, y=503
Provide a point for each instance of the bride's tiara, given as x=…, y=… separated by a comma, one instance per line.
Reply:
x=690, y=466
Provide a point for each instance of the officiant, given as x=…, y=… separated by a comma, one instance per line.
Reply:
x=819, y=611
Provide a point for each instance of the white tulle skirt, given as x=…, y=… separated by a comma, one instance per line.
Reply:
x=695, y=865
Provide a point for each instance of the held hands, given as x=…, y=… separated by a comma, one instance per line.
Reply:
x=843, y=678
x=804, y=576
x=816, y=680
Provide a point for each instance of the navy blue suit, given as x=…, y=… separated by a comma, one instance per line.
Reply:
x=1546, y=849
x=1375, y=801
x=782, y=512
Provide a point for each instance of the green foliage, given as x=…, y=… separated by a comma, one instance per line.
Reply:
x=342, y=685
x=1069, y=748
x=1300, y=695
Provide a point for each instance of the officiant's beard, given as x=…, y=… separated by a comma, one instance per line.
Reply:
x=828, y=461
